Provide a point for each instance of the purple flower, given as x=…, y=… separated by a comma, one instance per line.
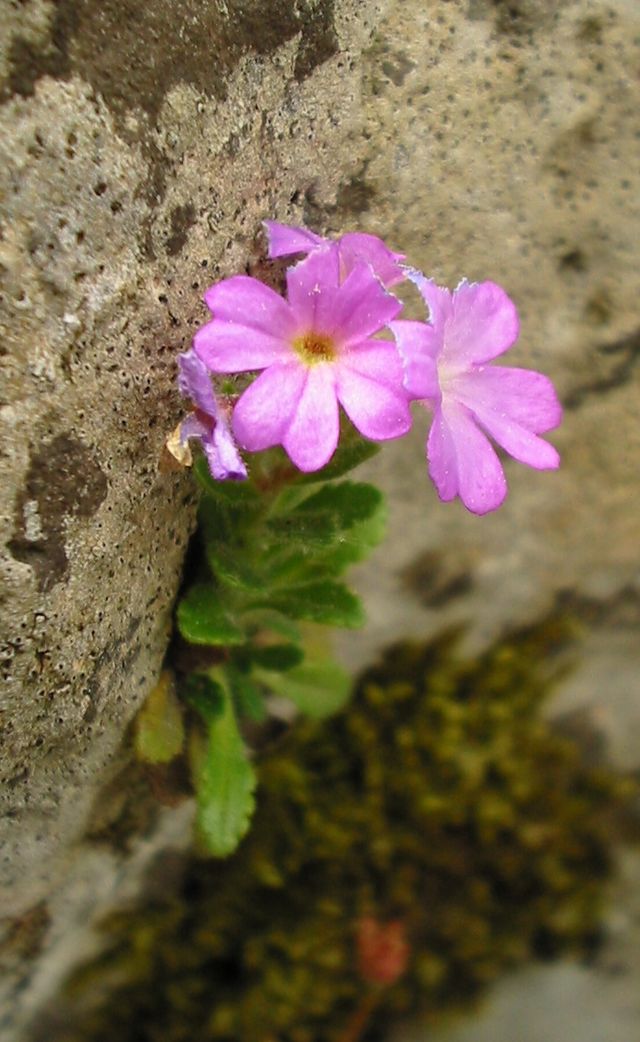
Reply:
x=445, y=366
x=353, y=248
x=207, y=422
x=316, y=352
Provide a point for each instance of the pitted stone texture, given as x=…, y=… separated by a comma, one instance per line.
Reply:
x=140, y=148
x=505, y=145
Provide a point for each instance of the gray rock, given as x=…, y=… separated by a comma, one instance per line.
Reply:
x=141, y=146
x=505, y=145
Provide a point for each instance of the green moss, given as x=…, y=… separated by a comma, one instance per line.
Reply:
x=439, y=797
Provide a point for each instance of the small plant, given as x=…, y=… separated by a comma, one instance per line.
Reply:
x=278, y=529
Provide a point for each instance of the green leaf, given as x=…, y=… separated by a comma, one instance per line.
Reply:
x=292, y=565
x=224, y=780
x=298, y=565
x=204, y=694
x=351, y=452
x=325, y=515
x=223, y=522
x=317, y=688
x=287, y=499
x=357, y=543
x=216, y=521
x=277, y=656
x=307, y=530
x=330, y=603
x=256, y=620
x=227, y=510
x=233, y=493
x=299, y=568
x=370, y=532
x=350, y=501
x=228, y=564
x=203, y=620
x=159, y=727
x=248, y=695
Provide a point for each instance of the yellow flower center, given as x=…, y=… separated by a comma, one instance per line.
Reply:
x=315, y=347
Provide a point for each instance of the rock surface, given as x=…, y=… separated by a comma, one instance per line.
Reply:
x=504, y=143
x=141, y=146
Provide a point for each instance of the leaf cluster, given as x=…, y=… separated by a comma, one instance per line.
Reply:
x=266, y=571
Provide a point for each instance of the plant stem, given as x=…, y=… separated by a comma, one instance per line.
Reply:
x=360, y=1018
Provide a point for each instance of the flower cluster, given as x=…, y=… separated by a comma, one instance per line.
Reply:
x=322, y=347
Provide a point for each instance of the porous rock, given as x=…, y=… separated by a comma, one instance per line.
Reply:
x=141, y=146
x=504, y=144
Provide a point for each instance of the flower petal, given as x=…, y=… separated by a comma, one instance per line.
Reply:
x=357, y=247
x=285, y=239
x=265, y=410
x=527, y=397
x=248, y=302
x=376, y=359
x=483, y=325
x=194, y=381
x=520, y=443
x=312, y=435
x=438, y=299
x=193, y=427
x=312, y=286
x=225, y=462
x=419, y=344
x=379, y=411
x=226, y=347
x=463, y=462
x=361, y=307
x=503, y=407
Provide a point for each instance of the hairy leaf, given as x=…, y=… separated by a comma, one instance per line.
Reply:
x=350, y=501
x=202, y=619
x=248, y=695
x=204, y=694
x=316, y=688
x=223, y=779
x=229, y=565
x=323, y=517
x=278, y=656
x=258, y=619
x=330, y=603
x=356, y=544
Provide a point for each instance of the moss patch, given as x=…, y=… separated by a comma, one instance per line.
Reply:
x=439, y=799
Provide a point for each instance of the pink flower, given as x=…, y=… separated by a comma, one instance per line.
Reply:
x=446, y=367
x=208, y=422
x=316, y=352
x=353, y=248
